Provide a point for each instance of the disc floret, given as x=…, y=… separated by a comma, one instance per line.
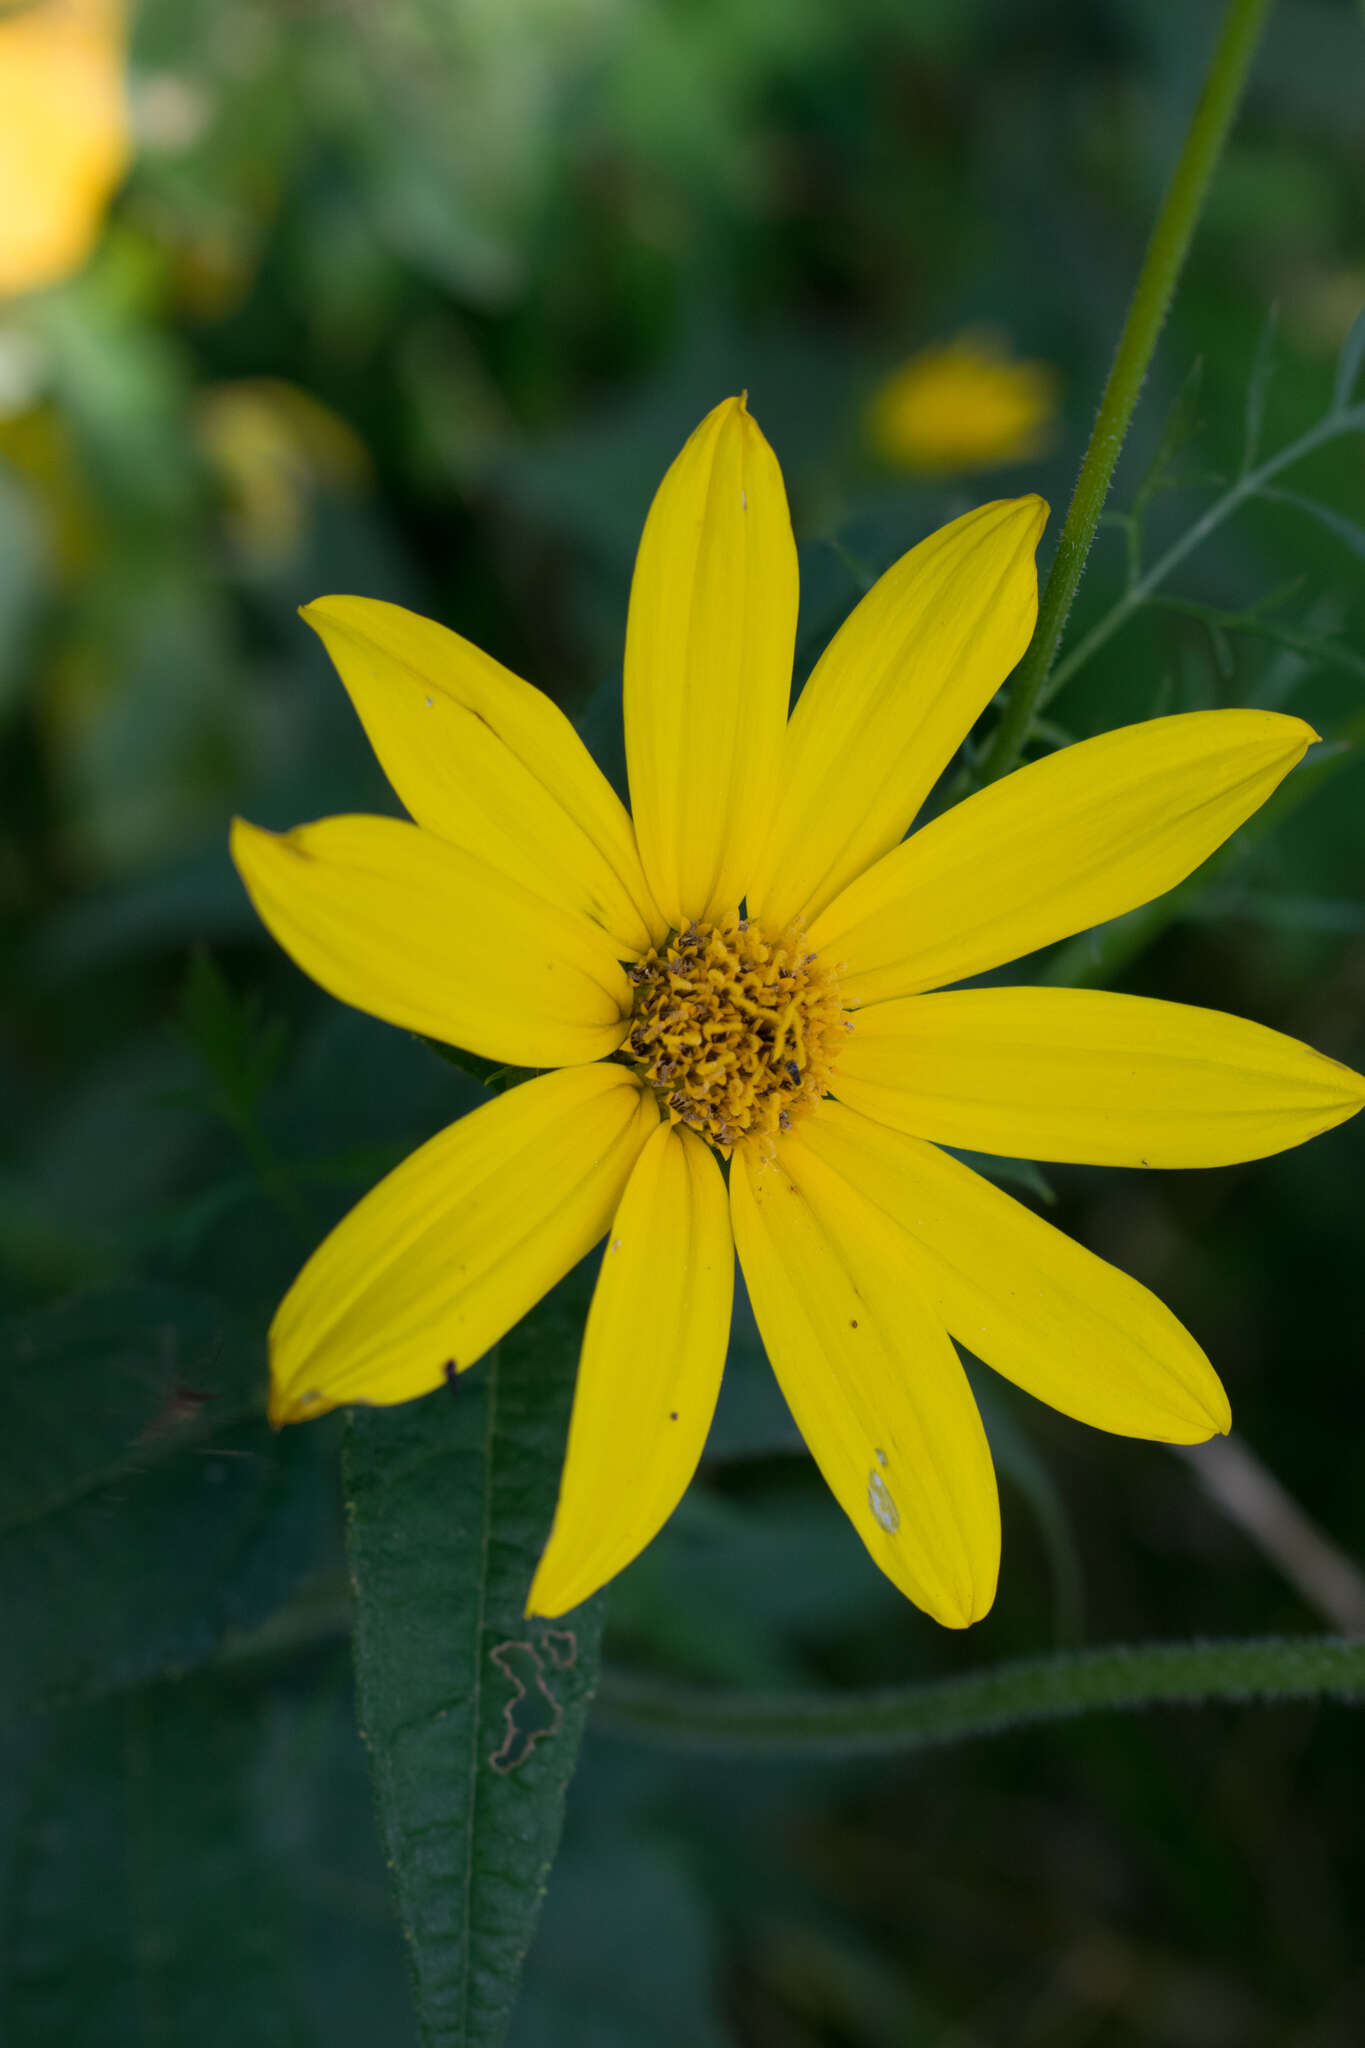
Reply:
x=737, y=1028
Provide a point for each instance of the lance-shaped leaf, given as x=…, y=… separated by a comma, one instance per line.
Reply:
x=472, y=1713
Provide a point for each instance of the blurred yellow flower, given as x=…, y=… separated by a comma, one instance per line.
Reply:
x=64, y=135
x=274, y=446
x=963, y=404
x=741, y=1000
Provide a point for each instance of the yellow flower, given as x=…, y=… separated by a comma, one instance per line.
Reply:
x=963, y=404
x=275, y=447
x=64, y=136
x=524, y=916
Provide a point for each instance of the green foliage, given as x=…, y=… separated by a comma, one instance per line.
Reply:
x=240, y=1047
x=272, y=1931
x=1145, y=586
x=420, y=301
x=145, y=1503
x=472, y=1712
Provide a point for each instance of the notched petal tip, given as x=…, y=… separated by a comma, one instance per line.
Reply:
x=954, y=1611
x=1036, y=509
x=1217, y=1411
x=1204, y=1411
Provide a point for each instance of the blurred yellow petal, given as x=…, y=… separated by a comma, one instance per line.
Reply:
x=486, y=761
x=875, y=1385
x=709, y=666
x=425, y=935
x=275, y=448
x=964, y=404
x=1030, y=1302
x=653, y=1353
x=1109, y=1080
x=64, y=135
x=458, y=1243
x=891, y=699
x=1066, y=843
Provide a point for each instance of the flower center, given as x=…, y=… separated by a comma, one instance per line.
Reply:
x=738, y=1029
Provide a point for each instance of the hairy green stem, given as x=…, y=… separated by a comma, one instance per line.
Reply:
x=984, y=1702
x=1161, y=267
x=1138, y=592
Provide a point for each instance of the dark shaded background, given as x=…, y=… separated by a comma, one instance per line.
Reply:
x=418, y=301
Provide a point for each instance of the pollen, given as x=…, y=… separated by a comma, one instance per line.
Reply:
x=737, y=1028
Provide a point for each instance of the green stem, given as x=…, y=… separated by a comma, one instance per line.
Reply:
x=1166, y=252
x=983, y=1703
x=1141, y=590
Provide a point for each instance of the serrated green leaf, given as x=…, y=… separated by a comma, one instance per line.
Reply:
x=147, y=1509
x=473, y=1715
x=197, y=1863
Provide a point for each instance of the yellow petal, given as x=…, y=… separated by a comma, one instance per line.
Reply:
x=1060, y=1073
x=485, y=760
x=875, y=1386
x=1030, y=1302
x=653, y=1352
x=425, y=935
x=709, y=665
x=458, y=1243
x=65, y=136
x=890, y=700
x=1061, y=845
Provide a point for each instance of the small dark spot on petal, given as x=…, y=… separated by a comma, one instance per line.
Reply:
x=853, y=1322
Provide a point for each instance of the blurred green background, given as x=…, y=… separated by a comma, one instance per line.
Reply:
x=418, y=300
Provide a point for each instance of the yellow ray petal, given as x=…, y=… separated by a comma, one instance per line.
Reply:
x=650, y=1372
x=425, y=935
x=1061, y=1073
x=485, y=760
x=891, y=698
x=1061, y=845
x=709, y=664
x=458, y=1243
x=874, y=1384
x=1027, y=1300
